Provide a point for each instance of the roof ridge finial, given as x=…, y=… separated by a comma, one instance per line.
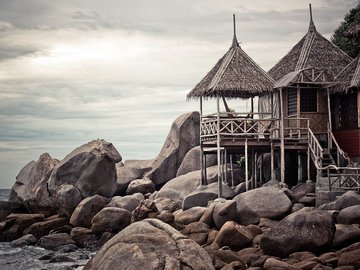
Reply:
x=312, y=27
x=235, y=43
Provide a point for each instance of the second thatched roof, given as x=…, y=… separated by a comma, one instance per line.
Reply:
x=348, y=78
x=235, y=75
x=314, y=51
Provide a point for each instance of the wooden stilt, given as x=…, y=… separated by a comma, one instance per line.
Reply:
x=272, y=161
x=232, y=171
x=282, y=143
x=205, y=170
x=225, y=165
x=202, y=181
x=252, y=160
x=299, y=167
x=246, y=166
x=329, y=108
x=218, y=148
x=261, y=167
x=255, y=171
x=252, y=107
x=308, y=163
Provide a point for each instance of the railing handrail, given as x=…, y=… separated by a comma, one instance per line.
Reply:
x=318, y=151
x=338, y=148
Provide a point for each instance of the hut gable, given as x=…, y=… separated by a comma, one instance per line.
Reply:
x=234, y=75
x=349, y=77
x=314, y=51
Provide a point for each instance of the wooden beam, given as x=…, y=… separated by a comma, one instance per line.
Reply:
x=202, y=180
x=329, y=108
x=282, y=137
x=255, y=170
x=246, y=166
x=272, y=161
x=232, y=171
x=299, y=167
x=218, y=147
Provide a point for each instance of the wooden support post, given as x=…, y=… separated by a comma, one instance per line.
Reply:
x=272, y=105
x=218, y=148
x=255, y=171
x=272, y=161
x=252, y=184
x=299, y=167
x=246, y=166
x=329, y=108
x=202, y=180
x=282, y=143
x=232, y=171
x=225, y=165
x=308, y=163
x=261, y=167
x=252, y=107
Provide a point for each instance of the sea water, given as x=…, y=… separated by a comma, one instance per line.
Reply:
x=32, y=257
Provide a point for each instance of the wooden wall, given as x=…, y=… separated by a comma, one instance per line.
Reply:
x=349, y=141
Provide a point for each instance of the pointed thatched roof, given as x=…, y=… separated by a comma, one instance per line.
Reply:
x=348, y=78
x=313, y=50
x=235, y=75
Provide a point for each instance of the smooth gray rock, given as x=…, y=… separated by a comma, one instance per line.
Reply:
x=179, y=187
x=191, y=161
x=126, y=174
x=234, y=236
x=90, y=168
x=166, y=204
x=86, y=210
x=26, y=240
x=349, y=198
x=55, y=241
x=268, y=202
x=30, y=187
x=184, y=135
x=142, y=186
x=110, y=219
x=346, y=235
x=302, y=189
x=129, y=202
x=6, y=208
x=68, y=197
x=190, y=215
x=349, y=215
x=307, y=229
x=150, y=244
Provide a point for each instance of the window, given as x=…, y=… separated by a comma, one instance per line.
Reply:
x=308, y=100
x=292, y=102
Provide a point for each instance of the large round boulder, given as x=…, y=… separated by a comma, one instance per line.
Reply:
x=184, y=135
x=30, y=187
x=349, y=215
x=191, y=161
x=349, y=198
x=68, y=197
x=86, y=210
x=150, y=244
x=111, y=219
x=90, y=168
x=127, y=173
x=129, y=202
x=307, y=229
x=268, y=202
x=219, y=212
x=142, y=186
x=179, y=187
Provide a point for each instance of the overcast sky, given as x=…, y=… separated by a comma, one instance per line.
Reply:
x=73, y=71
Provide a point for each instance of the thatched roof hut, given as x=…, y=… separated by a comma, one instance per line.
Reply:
x=235, y=75
x=348, y=78
x=314, y=51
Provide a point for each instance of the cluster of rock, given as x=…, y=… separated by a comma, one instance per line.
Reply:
x=154, y=215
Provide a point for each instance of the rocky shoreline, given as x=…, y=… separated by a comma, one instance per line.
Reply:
x=152, y=214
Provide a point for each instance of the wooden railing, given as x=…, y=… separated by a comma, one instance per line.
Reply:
x=315, y=149
x=333, y=144
x=344, y=178
x=238, y=125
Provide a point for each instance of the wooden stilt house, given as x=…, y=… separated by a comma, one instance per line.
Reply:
x=225, y=133
x=294, y=120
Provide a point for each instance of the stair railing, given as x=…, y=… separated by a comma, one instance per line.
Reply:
x=339, y=152
x=316, y=149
